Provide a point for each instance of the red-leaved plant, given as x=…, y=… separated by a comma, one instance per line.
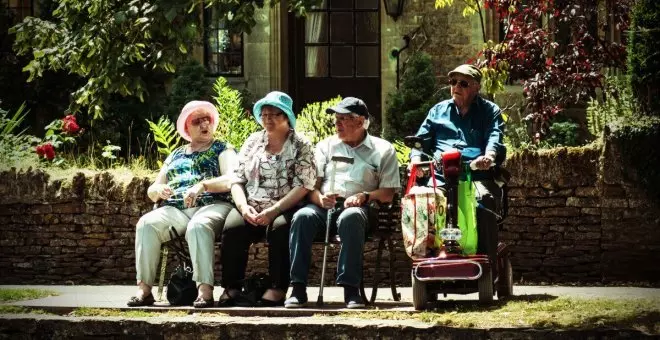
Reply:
x=554, y=49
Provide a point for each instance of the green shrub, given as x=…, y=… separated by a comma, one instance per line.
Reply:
x=408, y=106
x=563, y=132
x=236, y=124
x=189, y=84
x=15, y=145
x=637, y=139
x=166, y=137
x=616, y=101
x=643, y=61
x=314, y=123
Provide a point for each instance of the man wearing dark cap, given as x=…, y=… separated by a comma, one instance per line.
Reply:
x=373, y=175
x=468, y=121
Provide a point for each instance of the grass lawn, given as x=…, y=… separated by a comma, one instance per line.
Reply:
x=539, y=312
x=9, y=295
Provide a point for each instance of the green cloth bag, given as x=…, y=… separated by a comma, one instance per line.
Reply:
x=467, y=216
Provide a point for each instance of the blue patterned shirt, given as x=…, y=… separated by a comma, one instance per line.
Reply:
x=185, y=170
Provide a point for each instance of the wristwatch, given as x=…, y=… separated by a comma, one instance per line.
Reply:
x=366, y=196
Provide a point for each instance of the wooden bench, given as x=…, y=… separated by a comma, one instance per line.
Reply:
x=384, y=223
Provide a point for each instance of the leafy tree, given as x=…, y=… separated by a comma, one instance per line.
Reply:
x=113, y=44
x=239, y=15
x=190, y=84
x=47, y=97
x=644, y=61
x=553, y=75
x=408, y=105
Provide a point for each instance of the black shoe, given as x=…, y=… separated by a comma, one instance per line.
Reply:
x=246, y=300
x=298, y=297
x=352, y=297
x=270, y=303
x=135, y=301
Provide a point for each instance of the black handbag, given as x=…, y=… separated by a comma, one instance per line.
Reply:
x=181, y=289
x=253, y=288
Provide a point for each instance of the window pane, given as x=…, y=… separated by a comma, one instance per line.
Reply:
x=316, y=61
x=316, y=27
x=366, y=27
x=334, y=4
x=367, y=61
x=366, y=4
x=341, y=27
x=341, y=61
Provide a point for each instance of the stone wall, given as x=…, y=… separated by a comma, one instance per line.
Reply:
x=576, y=216
x=572, y=218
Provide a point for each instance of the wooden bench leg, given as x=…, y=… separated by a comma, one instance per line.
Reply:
x=163, y=266
x=396, y=296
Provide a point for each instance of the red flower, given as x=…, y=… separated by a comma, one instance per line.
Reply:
x=46, y=150
x=40, y=150
x=49, y=151
x=70, y=125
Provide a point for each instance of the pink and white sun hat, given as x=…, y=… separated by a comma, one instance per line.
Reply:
x=189, y=109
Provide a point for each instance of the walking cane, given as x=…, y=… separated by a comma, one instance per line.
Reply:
x=328, y=222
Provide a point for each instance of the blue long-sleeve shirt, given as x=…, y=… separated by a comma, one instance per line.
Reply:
x=482, y=127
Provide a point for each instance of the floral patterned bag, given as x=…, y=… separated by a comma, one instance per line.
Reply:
x=422, y=209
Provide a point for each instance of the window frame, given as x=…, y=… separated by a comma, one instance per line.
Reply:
x=209, y=28
x=329, y=44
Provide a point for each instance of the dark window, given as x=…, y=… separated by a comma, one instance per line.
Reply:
x=342, y=39
x=223, y=49
x=21, y=9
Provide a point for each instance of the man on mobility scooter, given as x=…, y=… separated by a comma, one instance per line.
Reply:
x=473, y=126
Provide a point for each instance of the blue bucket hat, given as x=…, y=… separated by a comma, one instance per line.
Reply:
x=281, y=101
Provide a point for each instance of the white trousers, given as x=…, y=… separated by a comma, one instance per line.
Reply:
x=200, y=226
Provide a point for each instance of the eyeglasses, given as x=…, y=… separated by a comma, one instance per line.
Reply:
x=271, y=115
x=345, y=117
x=462, y=83
x=200, y=120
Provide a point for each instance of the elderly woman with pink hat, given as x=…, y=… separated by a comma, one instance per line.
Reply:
x=275, y=172
x=193, y=187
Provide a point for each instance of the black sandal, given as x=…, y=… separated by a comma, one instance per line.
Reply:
x=135, y=301
x=226, y=300
x=203, y=303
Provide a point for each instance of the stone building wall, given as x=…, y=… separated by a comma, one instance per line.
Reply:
x=572, y=218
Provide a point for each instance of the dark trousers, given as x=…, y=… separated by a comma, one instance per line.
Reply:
x=488, y=195
x=238, y=235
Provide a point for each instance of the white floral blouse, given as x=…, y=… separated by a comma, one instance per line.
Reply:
x=269, y=177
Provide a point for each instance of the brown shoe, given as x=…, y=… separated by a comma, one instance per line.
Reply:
x=135, y=301
x=203, y=303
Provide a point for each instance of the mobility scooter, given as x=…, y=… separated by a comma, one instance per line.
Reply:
x=450, y=269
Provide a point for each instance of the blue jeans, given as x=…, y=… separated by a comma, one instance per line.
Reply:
x=351, y=226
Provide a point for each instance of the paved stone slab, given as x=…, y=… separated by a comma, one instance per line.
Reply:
x=72, y=297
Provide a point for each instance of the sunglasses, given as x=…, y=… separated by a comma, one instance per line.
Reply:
x=200, y=120
x=462, y=83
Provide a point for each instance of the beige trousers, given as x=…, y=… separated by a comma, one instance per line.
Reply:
x=200, y=226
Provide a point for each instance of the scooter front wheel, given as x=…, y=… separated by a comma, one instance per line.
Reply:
x=420, y=293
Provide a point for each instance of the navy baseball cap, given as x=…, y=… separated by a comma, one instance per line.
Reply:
x=350, y=105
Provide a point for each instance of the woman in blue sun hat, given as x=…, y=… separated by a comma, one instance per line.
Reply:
x=275, y=172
